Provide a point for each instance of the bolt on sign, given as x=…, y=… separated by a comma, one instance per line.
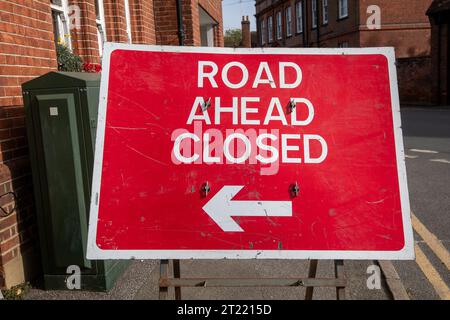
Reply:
x=249, y=153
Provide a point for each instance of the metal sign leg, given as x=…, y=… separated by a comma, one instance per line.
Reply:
x=311, y=274
x=163, y=274
x=339, y=282
x=177, y=275
x=339, y=274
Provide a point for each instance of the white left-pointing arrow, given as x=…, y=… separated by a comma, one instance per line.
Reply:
x=222, y=207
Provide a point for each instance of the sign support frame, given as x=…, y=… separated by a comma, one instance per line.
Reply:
x=177, y=282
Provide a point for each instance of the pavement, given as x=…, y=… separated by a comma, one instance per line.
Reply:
x=427, y=147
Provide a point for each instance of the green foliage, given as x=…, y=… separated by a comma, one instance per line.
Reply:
x=233, y=38
x=17, y=293
x=67, y=61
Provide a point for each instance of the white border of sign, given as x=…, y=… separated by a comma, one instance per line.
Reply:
x=94, y=252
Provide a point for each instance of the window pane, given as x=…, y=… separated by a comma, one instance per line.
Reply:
x=270, y=28
x=263, y=32
x=314, y=14
x=299, y=16
x=279, y=25
x=343, y=8
x=288, y=21
x=56, y=31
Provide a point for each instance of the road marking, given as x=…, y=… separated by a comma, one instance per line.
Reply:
x=440, y=160
x=432, y=275
x=423, y=151
x=411, y=157
x=432, y=241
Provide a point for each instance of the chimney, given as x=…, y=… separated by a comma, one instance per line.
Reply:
x=246, y=37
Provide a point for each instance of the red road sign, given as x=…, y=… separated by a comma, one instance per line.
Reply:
x=274, y=153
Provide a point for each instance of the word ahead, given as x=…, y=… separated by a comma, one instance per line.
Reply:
x=234, y=153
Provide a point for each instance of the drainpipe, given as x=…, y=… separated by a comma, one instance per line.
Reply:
x=306, y=15
x=181, y=34
x=318, y=6
x=304, y=24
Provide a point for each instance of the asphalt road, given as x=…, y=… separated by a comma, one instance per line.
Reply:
x=427, y=147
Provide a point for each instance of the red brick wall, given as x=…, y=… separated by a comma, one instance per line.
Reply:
x=142, y=21
x=115, y=21
x=330, y=35
x=191, y=23
x=415, y=80
x=27, y=50
x=167, y=23
x=404, y=26
x=84, y=39
x=440, y=58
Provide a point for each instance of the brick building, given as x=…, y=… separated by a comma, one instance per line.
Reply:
x=352, y=23
x=439, y=13
x=29, y=30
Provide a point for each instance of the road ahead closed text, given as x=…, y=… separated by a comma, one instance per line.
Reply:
x=247, y=144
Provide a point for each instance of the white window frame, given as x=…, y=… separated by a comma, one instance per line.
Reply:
x=299, y=16
x=288, y=15
x=62, y=22
x=101, y=26
x=314, y=14
x=343, y=9
x=126, y=4
x=270, y=28
x=325, y=12
x=263, y=31
x=279, y=22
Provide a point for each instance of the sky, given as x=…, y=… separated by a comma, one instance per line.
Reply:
x=233, y=10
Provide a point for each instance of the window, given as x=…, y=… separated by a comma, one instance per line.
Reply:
x=60, y=17
x=299, y=17
x=128, y=20
x=343, y=44
x=324, y=11
x=100, y=21
x=279, y=26
x=288, y=13
x=263, y=32
x=314, y=14
x=207, y=28
x=270, y=28
x=343, y=9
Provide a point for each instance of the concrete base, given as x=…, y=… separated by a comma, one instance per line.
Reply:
x=89, y=282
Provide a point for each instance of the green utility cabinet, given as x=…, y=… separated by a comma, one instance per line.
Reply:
x=61, y=117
